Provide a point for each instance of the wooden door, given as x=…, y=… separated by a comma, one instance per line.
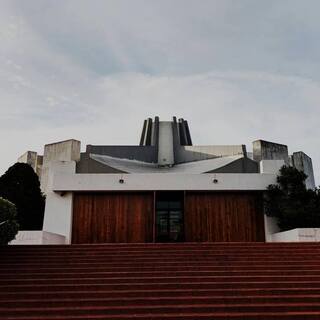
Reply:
x=112, y=217
x=223, y=217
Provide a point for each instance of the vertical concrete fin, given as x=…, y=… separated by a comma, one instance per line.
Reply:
x=182, y=133
x=166, y=152
x=188, y=135
x=244, y=150
x=143, y=133
x=175, y=137
x=149, y=132
x=155, y=132
x=155, y=138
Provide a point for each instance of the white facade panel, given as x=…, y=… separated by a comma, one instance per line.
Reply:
x=132, y=182
x=165, y=153
x=58, y=211
x=271, y=166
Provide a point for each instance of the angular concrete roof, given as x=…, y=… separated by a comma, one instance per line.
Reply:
x=134, y=166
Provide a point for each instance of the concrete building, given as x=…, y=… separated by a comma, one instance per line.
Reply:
x=164, y=189
x=33, y=159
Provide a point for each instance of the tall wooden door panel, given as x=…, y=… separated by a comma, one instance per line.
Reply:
x=112, y=217
x=213, y=217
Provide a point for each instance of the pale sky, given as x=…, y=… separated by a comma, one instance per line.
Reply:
x=237, y=70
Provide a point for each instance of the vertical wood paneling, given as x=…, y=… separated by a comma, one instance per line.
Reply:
x=219, y=217
x=112, y=217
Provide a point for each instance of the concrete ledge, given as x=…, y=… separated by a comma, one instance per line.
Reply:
x=37, y=237
x=297, y=235
x=161, y=181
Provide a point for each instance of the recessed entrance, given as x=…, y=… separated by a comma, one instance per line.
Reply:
x=169, y=216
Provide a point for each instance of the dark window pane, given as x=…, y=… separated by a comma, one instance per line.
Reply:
x=162, y=205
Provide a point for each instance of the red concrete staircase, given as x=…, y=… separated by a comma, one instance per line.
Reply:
x=161, y=281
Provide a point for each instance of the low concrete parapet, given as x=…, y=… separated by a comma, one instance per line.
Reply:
x=297, y=235
x=37, y=237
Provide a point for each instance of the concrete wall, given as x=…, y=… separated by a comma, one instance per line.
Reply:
x=304, y=163
x=140, y=153
x=29, y=157
x=270, y=227
x=33, y=159
x=68, y=150
x=265, y=150
x=271, y=166
x=196, y=153
x=37, y=237
x=165, y=149
x=243, y=165
x=165, y=152
x=89, y=165
x=39, y=166
x=58, y=210
x=270, y=223
x=298, y=235
x=161, y=181
x=27, y=237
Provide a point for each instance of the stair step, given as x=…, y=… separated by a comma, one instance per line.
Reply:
x=20, y=269
x=159, y=285
x=161, y=281
x=189, y=316
x=111, y=273
x=212, y=262
x=72, y=294
x=163, y=308
x=225, y=279
x=166, y=300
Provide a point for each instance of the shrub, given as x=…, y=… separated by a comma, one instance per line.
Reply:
x=8, y=224
x=20, y=185
x=291, y=202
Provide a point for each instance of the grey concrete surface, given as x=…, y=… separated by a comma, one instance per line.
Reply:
x=303, y=162
x=266, y=150
x=68, y=150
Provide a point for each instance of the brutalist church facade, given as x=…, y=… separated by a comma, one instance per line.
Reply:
x=163, y=190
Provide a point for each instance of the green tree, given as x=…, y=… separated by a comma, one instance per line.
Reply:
x=8, y=224
x=291, y=202
x=20, y=185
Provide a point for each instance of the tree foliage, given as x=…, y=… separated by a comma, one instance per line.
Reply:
x=291, y=202
x=20, y=185
x=8, y=224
